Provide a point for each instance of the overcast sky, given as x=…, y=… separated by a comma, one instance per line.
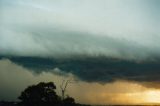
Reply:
x=52, y=28
x=98, y=41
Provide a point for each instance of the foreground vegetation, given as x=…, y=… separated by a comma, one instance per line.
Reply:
x=42, y=94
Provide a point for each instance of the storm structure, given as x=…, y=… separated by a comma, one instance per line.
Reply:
x=112, y=47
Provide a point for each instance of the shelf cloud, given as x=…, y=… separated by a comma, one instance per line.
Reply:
x=126, y=30
x=97, y=41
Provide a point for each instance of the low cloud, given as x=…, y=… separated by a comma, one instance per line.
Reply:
x=15, y=78
x=100, y=70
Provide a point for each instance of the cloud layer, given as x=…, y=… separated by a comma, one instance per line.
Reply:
x=97, y=69
x=123, y=29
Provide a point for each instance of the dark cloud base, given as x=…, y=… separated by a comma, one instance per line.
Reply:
x=94, y=69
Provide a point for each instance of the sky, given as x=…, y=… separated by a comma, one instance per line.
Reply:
x=110, y=46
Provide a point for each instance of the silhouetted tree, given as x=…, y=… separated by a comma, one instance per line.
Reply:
x=69, y=101
x=64, y=85
x=41, y=94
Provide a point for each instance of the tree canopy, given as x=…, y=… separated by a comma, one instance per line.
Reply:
x=40, y=94
x=43, y=94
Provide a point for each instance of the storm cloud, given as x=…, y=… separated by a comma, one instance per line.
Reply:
x=99, y=69
x=97, y=41
x=128, y=30
x=15, y=78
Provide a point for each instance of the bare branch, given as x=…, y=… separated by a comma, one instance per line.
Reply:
x=64, y=85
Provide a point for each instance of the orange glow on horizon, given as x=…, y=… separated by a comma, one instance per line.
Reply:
x=119, y=92
x=146, y=97
x=152, y=96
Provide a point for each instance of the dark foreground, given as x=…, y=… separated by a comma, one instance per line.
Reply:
x=3, y=103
